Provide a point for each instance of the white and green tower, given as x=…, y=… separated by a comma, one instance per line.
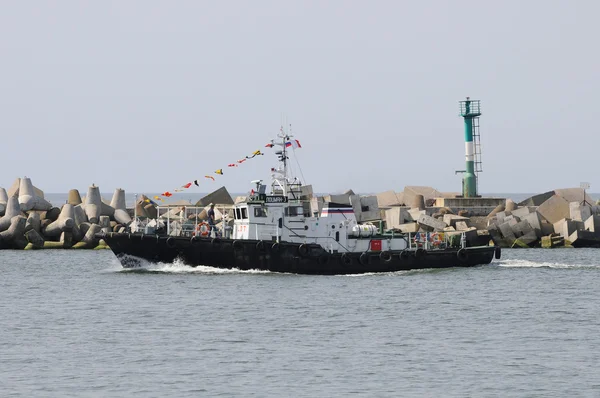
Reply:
x=470, y=111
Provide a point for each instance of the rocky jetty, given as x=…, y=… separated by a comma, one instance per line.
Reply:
x=29, y=221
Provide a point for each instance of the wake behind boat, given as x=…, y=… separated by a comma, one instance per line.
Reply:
x=277, y=232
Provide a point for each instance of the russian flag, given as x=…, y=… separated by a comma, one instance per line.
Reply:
x=293, y=143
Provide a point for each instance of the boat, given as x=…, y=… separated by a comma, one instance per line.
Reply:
x=277, y=232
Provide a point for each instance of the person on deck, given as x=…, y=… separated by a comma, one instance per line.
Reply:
x=211, y=217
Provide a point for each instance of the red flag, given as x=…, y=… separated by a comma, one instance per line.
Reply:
x=189, y=184
x=232, y=165
x=269, y=146
x=167, y=194
x=211, y=177
x=241, y=160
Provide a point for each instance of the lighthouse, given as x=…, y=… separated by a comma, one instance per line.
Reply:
x=470, y=112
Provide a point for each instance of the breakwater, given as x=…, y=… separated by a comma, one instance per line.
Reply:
x=29, y=221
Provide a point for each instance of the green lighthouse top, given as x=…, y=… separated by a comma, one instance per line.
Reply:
x=470, y=108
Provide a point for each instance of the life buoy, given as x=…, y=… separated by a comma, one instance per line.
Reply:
x=462, y=255
x=497, y=253
x=170, y=242
x=404, y=254
x=303, y=250
x=260, y=246
x=364, y=258
x=385, y=256
x=346, y=259
x=202, y=229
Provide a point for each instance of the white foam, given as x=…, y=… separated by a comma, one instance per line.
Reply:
x=535, y=264
x=179, y=267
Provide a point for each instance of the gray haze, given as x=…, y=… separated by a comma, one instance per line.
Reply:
x=149, y=95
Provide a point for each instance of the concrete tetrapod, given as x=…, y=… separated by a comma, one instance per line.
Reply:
x=74, y=197
x=3, y=200
x=13, y=236
x=118, y=203
x=12, y=210
x=34, y=222
x=93, y=204
x=80, y=216
x=28, y=199
x=65, y=222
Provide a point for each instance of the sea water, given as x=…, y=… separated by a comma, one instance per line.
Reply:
x=75, y=324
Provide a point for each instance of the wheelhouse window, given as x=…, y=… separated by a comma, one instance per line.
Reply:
x=260, y=212
x=294, y=211
x=238, y=214
x=244, y=213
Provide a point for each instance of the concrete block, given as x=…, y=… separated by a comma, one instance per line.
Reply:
x=451, y=219
x=365, y=208
x=592, y=223
x=500, y=216
x=554, y=209
x=581, y=238
x=461, y=226
x=388, y=199
x=219, y=197
x=428, y=193
x=408, y=227
x=573, y=195
x=547, y=228
x=429, y=223
x=415, y=214
x=535, y=222
x=395, y=216
x=579, y=212
x=565, y=227
x=521, y=212
x=449, y=229
x=537, y=200
x=522, y=228
x=506, y=231
x=528, y=239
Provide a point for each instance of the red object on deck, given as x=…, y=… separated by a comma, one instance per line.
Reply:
x=376, y=245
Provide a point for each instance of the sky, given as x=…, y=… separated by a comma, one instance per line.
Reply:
x=149, y=95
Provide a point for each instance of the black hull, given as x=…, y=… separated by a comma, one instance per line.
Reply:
x=294, y=258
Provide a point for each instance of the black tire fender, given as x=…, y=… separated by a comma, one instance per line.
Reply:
x=275, y=247
x=497, y=253
x=462, y=254
x=364, y=258
x=303, y=250
x=171, y=242
x=238, y=245
x=260, y=245
x=420, y=253
x=404, y=254
x=385, y=256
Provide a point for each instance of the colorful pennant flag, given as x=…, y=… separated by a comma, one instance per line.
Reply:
x=186, y=186
x=196, y=182
x=269, y=145
x=167, y=194
x=220, y=172
x=232, y=165
x=241, y=161
x=293, y=144
x=159, y=198
x=211, y=177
